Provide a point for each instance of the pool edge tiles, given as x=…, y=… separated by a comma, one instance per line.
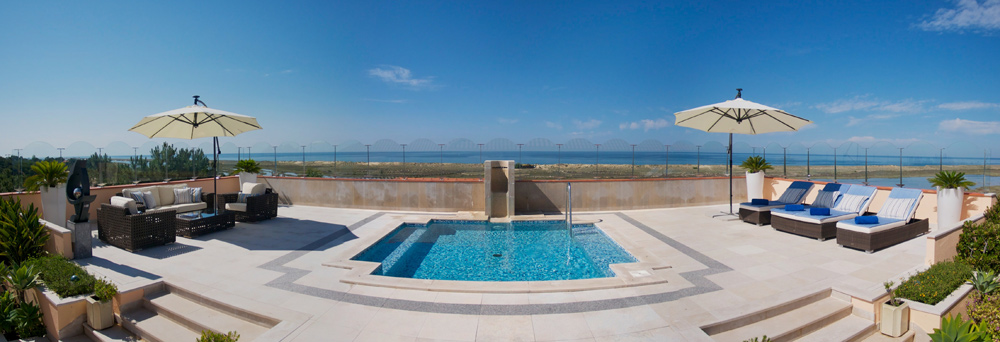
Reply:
x=647, y=269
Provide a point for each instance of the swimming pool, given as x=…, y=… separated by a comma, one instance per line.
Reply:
x=484, y=251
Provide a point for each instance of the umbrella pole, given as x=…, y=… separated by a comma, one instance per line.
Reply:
x=215, y=174
x=730, y=169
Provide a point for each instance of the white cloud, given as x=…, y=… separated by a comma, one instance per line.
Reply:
x=645, y=124
x=853, y=121
x=863, y=103
x=555, y=125
x=968, y=105
x=399, y=75
x=970, y=127
x=585, y=125
x=967, y=15
x=870, y=140
x=506, y=121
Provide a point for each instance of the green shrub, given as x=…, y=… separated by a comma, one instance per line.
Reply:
x=27, y=321
x=57, y=274
x=47, y=174
x=985, y=282
x=7, y=305
x=246, y=165
x=755, y=164
x=950, y=180
x=985, y=309
x=992, y=213
x=22, y=237
x=211, y=336
x=104, y=289
x=936, y=283
x=954, y=329
x=314, y=173
x=755, y=339
x=20, y=279
x=979, y=245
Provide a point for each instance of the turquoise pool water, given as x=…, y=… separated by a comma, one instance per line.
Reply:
x=483, y=251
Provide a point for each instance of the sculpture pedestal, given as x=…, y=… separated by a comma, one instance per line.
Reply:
x=82, y=245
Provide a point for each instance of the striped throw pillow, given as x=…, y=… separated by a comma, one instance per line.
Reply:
x=149, y=199
x=137, y=196
x=242, y=198
x=851, y=203
x=825, y=199
x=195, y=195
x=182, y=196
x=897, y=208
x=792, y=196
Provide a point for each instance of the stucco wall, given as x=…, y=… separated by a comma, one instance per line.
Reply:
x=593, y=195
x=395, y=194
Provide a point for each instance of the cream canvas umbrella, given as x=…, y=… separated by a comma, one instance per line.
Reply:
x=738, y=116
x=197, y=121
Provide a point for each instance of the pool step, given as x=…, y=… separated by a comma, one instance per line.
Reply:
x=816, y=317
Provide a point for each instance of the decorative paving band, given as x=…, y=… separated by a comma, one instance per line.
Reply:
x=697, y=278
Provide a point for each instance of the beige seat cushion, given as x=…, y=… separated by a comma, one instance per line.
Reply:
x=241, y=207
x=253, y=188
x=181, y=208
x=167, y=193
x=125, y=202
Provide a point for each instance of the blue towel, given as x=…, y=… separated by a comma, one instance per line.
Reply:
x=758, y=201
x=866, y=220
x=819, y=211
x=795, y=207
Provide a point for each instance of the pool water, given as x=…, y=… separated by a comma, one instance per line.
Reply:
x=484, y=251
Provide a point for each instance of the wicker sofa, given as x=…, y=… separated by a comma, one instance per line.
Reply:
x=261, y=203
x=124, y=224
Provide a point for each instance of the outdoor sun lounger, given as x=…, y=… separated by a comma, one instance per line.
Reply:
x=761, y=214
x=895, y=223
x=851, y=201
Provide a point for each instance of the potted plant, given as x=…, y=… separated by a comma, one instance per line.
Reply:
x=950, y=195
x=100, y=314
x=50, y=178
x=755, y=166
x=895, y=320
x=248, y=170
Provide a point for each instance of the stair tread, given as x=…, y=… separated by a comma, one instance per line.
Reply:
x=114, y=333
x=845, y=329
x=206, y=316
x=786, y=322
x=157, y=327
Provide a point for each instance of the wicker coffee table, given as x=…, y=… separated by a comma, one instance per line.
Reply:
x=198, y=223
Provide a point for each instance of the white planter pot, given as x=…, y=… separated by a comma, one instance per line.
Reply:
x=895, y=320
x=949, y=205
x=755, y=185
x=247, y=178
x=54, y=204
x=99, y=314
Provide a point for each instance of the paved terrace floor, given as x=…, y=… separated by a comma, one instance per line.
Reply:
x=719, y=269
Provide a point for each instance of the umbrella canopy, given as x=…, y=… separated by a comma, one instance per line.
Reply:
x=739, y=116
x=195, y=122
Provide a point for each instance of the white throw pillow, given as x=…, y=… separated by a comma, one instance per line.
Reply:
x=149, y=199
x=851, y=203
x=182, y=196
x=125, y=202
x=897, y=208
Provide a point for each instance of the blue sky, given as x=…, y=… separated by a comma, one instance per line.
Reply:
x=903, y=72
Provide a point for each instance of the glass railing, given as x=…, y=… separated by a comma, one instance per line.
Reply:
x=881, y=163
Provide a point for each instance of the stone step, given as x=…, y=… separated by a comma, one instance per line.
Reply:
x=198, y=316
x=848, y=329
x=113, y=334
x=155, y=328
x=792, y=324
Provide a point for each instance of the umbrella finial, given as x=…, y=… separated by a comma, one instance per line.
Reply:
x=739, y=93
x=197, y=101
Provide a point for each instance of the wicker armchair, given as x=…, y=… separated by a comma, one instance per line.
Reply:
x=116, y=227
x=258, y=208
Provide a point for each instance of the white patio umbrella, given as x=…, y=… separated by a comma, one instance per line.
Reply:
x=738, y=116
x=197, y=121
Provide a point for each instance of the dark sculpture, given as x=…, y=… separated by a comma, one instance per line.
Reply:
x=78, y=192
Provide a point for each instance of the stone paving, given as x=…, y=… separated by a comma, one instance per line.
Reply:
x=718, y=269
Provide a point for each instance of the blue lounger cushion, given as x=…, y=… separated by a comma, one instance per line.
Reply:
x=795, y=207
x=819, y=211
x=758, y=201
